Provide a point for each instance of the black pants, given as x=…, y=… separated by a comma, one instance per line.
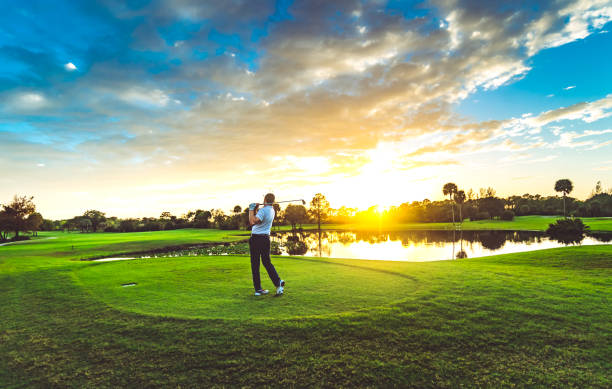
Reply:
x=259, y=246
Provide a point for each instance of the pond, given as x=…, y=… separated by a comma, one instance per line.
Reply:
x=418, y=245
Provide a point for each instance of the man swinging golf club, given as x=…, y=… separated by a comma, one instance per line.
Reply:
x=259, y=244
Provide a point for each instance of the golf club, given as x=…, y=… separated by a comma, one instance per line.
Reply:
x=286, y=201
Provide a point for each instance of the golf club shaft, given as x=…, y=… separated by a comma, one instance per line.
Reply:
x=286, y=201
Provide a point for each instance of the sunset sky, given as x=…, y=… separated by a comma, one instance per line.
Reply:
x=137, y=107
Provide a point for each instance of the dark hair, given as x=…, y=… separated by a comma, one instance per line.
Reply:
x=269, y=198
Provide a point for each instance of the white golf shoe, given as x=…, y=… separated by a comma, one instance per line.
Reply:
x=261, y=292
x=281, y=289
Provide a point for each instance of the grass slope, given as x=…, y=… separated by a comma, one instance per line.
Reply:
x=531, y=319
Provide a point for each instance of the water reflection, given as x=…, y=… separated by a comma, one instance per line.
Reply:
x=418, y=245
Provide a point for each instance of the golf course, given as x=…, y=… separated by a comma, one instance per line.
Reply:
x=536, y=319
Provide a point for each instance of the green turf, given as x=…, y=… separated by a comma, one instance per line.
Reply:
x=534, y=319
x=219, y=287
x=534, y=223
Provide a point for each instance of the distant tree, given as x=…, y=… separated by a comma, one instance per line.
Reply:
x=35, y=221
x=97, y=218
x=47, y=225
x=202, y=219
x=220, y=218
x=564, y=186
x=319, y=208
x=5, y=225
x=493, y=206
x=128, y=225
x=85, y=224
x=450, y=189
x=165, y=216
x=459, y=198
x=470, y=194
x=295, y=214
x=237, y=209
x=17, y=213
x=598, y=189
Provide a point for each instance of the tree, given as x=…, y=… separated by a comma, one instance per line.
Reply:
x=295, y=214
x=564, y=186
x=450, y=189
x=460, y=199
x=17, y=213
x=128, y=225
x=237, y=209
x=5, y=225
x=35, y=220
x=96, y=217
x=202, y=219
x=85, y=224
x=319, y=208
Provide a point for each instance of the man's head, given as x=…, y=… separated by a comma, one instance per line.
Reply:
x=269, y=198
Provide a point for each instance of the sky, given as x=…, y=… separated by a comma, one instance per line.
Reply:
x=138, y=107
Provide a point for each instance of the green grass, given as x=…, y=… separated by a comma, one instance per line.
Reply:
x=533, y=223
x=536, y=319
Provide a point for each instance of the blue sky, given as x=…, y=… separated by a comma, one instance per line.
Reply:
x=139, y=107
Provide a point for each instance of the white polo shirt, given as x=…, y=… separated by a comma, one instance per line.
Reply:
x=266, y=215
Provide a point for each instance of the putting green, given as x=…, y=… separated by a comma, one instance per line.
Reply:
x=221, y=287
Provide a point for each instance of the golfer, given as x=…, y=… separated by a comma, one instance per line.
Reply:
x=259, y=244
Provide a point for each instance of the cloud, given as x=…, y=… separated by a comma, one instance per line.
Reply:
x=586, y=111
x=29, y=101
x=576, y=20
x=154, y=98
x=316, y=78
x=70, y=67
x=569, y=87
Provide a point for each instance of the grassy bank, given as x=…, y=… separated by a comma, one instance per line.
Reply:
x=530, y=319
x=532, y=223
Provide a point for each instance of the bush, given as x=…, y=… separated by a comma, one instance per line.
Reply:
x=296, y=247
x=567, y=230
x=484, y=215
x=19, y=238
x=507, y=215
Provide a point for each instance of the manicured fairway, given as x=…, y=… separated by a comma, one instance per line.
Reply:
x=537, y=319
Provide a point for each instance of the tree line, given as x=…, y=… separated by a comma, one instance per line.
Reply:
x=20, y=215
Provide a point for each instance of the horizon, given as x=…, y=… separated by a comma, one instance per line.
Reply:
x=136, y=109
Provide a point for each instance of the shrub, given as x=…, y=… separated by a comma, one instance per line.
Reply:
x=296, y=247
x=483, y=215
x=567, y=230
x=19, y=238
x=507, y=215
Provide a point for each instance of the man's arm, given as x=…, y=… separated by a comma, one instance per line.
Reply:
x=252, y=218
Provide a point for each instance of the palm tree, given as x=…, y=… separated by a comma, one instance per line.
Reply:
x=450, y=189
x=565, y=186
x=459, y=198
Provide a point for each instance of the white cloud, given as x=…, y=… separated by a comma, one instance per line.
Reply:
x=70, y=67
x=144, y=97
x=569, y=87
x=582, y=16
x=30, y=100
